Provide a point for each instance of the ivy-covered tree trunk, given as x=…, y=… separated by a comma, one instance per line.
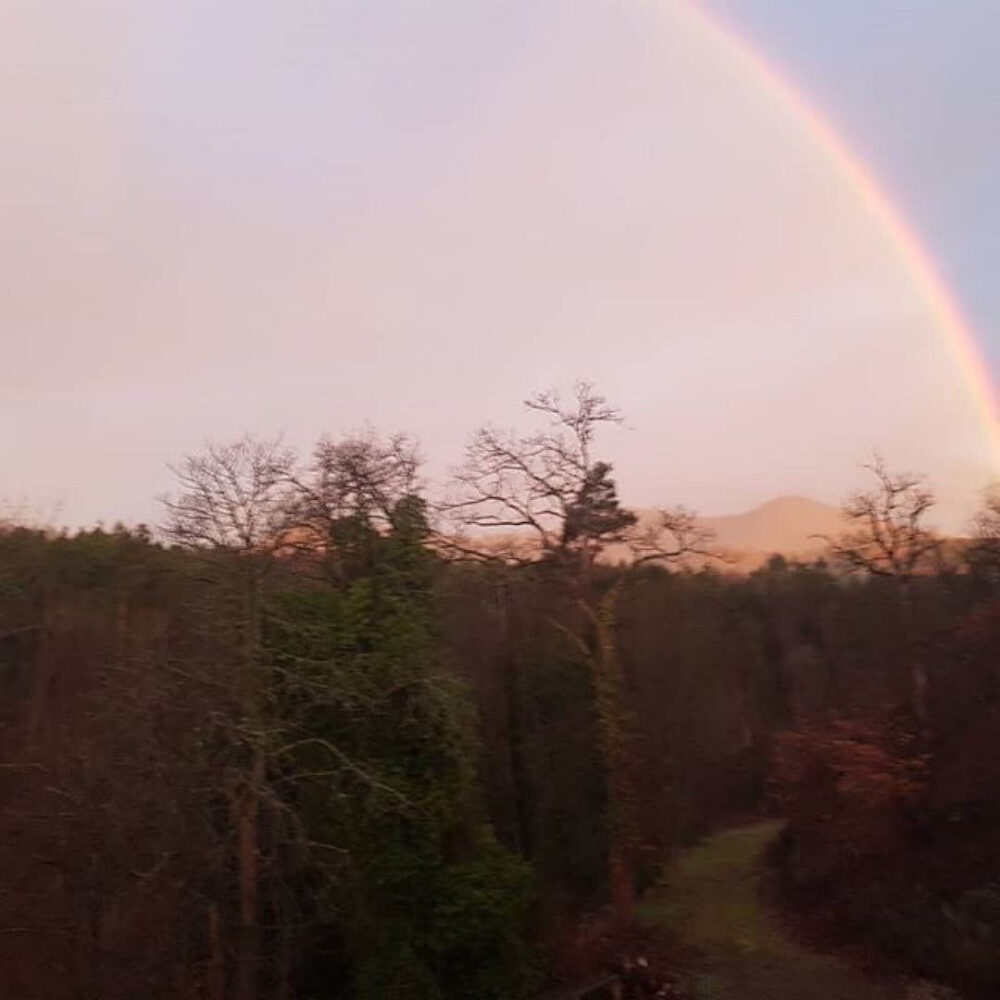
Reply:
x=615, y=728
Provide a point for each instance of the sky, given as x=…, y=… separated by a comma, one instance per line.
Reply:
x=300, y=216
x=914, y=87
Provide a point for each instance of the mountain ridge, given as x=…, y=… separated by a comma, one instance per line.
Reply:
x=788, y=524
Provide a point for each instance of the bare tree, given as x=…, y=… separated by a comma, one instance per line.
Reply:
x=233, y=496
x=234, y=502
x=556, y=503
x=544, y=486
x=257, y=516
x=674, y=535
x=546, y=496
x=984, y=551
x=888, y=538
x=358, y=479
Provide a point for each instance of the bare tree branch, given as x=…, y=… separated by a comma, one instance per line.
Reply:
x=889, y=538
x=233, y=496
x=543, y=485
x=675, y=535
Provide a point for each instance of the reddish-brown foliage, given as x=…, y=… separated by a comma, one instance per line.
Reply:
x=980, y=627
x=863, y=764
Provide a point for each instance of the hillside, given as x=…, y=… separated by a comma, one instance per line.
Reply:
x=789, y=525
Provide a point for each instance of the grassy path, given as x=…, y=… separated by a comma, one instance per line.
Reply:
x=732, y=947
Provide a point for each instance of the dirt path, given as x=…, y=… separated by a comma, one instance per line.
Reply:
x=732, y=946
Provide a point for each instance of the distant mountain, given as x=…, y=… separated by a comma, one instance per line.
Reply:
x=788, y=525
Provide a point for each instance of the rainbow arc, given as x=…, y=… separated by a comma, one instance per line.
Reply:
x=953, y=327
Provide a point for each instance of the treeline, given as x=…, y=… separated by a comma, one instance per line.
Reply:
x=891, y=787
x=234, y=766
x=318, y=739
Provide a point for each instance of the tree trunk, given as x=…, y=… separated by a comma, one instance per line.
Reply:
x=217, y=964
x=613, y=720
x=247, y=829
x=283, y=988
x=918, y=666
x=519, y=821
x=622, y=888
x=248, y=805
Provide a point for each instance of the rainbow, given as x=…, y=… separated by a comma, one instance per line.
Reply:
x=954, y=329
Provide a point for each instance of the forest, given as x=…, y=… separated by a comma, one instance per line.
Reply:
x=326, y=732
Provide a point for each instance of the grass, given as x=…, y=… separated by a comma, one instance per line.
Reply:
x=732, y=946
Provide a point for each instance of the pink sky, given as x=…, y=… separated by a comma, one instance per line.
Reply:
x=297, y=217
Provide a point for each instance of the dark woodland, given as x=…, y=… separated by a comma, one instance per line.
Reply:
x=329, y=733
